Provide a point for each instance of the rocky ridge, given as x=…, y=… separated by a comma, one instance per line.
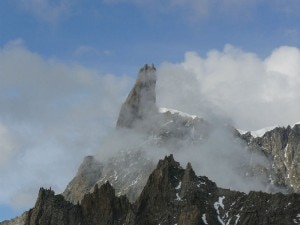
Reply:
x=172, y=195
x=20, y=220
x=282, y=146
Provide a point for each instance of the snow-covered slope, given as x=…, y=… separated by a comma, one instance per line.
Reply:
x=258, y=133
x=174, y=111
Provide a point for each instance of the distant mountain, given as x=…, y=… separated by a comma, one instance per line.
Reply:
x=128, y=187
x=282, y=146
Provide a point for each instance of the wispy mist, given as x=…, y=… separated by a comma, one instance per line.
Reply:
x=52, y=114
x=221, y=156
x=234, y=84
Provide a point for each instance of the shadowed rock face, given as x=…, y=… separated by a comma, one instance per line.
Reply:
x=102, y=207
x=140, y=103
x=51, y=209
x=172, y=195
x=282, y=146
x=89, y=172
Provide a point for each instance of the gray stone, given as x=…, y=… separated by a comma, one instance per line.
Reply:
x=140, y=103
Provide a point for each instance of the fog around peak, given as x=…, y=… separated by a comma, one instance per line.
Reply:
x=239, y=86
x=55, y=113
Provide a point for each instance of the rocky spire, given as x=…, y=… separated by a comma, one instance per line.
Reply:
x=140, y=103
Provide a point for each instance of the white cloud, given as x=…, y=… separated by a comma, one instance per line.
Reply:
x=239, y=85
x=7, y=146
x=52, y=114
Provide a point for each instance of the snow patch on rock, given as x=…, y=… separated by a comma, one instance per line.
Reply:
x=174, y=111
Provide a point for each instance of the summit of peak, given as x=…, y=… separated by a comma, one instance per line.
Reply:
x=148, y=67
x=141, y=101
x=147, y=74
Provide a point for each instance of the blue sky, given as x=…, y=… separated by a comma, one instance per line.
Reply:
x=119, y=35
x=66, y=66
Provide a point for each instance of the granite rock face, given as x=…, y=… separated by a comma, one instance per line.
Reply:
x=89, y=172
x=20, y=220
x=53, y=209
x=102, y=207
x=282, y=146
x=172, y=195
x=141, y=101
x=127, y=173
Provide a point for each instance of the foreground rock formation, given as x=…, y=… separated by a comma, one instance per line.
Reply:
x=172, y=195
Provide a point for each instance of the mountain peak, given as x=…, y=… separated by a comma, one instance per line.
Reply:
x=141, y=101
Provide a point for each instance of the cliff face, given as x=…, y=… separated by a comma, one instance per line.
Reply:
x=127, y=173
x=140, y=103
x=282, y=146
x=102, y=207
x=172, y=195
x=89, y=172
x=53, y=209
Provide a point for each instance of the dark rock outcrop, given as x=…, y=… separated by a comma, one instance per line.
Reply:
x=173, y=195
x=53, y=209
x=102, y=207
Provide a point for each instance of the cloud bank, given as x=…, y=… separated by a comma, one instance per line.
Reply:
x=52, y=114
x=234, y=84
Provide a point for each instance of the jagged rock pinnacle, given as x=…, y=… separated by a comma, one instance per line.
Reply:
x=141, y=101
